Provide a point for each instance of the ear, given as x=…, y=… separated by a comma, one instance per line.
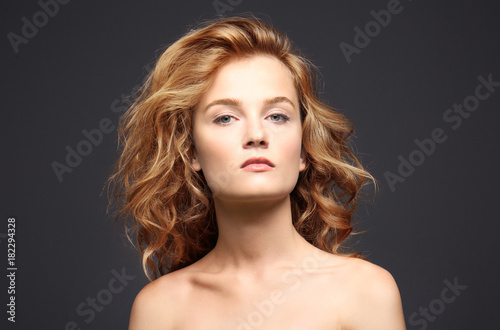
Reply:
x=195, y=164
x=302, y=165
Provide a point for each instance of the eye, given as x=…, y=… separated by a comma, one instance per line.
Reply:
x=278, y=117
x=224, y=120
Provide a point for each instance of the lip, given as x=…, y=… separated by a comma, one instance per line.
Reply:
x=257, y=164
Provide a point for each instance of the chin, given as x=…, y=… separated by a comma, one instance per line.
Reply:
x=254, y=195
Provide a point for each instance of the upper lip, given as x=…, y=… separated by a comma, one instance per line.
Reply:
x=257, y=160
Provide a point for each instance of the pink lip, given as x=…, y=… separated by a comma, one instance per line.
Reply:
x=257, y=164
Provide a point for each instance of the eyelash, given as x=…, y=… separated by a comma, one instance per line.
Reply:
x=218, y=119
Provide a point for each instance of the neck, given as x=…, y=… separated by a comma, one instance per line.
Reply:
x=257, y=237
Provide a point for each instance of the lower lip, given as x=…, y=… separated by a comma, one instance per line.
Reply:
x=257, y=167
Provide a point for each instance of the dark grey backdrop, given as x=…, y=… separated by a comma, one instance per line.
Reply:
x=414, y=77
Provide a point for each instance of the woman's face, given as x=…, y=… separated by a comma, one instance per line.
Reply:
x=247, y=131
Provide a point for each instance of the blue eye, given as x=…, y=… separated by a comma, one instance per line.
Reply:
x=223, y=119
x=278, y=117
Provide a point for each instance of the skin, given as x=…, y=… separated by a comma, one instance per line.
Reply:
x=261, y=274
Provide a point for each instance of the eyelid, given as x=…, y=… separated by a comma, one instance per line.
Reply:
x=285, y=117
x=274, y=111
x=217, y=119
x=284, y=108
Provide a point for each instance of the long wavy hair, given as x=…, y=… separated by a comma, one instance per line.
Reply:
x=168, y=205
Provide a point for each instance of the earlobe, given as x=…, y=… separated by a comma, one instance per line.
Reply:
x=195, y=164
x=302, y=165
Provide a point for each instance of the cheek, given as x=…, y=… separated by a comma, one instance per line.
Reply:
x=215, y=155
x=290, y=147
x=217, y=148
x=218, y=165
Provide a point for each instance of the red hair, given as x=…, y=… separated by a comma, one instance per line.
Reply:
x=170, y=204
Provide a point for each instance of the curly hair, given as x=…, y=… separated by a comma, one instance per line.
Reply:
x=169, y=204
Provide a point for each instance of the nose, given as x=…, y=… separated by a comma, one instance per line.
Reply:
x=256, y=134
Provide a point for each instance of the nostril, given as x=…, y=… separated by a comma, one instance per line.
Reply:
x=257, y=142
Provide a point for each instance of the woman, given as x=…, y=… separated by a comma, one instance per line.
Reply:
x=241, y=189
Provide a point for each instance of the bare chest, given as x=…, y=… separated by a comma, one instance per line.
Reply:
x=295, y=303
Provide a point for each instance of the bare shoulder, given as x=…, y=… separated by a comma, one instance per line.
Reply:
x=375, y=301
x=155, y=305
x=371, y=279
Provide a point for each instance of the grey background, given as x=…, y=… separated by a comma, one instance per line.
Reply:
x=440, y=224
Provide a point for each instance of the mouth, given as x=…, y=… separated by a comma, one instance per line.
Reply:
x=257, y=164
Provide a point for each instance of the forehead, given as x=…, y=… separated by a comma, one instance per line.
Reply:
x=253, y=78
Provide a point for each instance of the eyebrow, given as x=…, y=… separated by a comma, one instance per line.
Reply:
x=237, y=103
x=278, y=99
x=231, y=102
